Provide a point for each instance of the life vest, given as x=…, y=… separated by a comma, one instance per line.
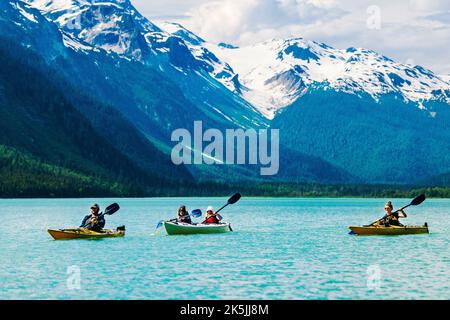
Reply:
x=212, y=219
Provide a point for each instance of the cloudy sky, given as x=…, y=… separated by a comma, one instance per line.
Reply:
x=412, y=31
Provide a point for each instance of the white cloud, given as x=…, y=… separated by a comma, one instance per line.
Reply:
x=237, y=20
x=410, y=30
x=429, y=5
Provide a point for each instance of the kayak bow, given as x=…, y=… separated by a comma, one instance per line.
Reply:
x=174, y=228
x=389, y=231
x=66, y=234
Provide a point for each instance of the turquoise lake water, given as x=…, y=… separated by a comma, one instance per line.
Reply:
x=280, y=249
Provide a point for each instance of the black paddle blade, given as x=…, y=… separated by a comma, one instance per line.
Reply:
x=418, y=200
x=111, y=209
x=235, y=198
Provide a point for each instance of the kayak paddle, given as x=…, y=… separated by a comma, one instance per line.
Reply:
x=415, y=202
x=195, y=213
x=110, y=210
x=232, y=200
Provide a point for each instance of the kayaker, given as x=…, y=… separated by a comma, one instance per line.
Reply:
x=392, y=218
x=211, y=217
x=94, y=221
x=183, y=216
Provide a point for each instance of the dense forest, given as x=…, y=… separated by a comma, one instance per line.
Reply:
x=386, y=142
x=23, y=176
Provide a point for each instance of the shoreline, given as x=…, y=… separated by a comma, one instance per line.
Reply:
x=222, y=197
x=220, y=189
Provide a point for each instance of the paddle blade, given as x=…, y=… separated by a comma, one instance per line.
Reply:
x=197, y=213
x=160, y=224
x=418, y=200
x=111, y=209
x=235, y=198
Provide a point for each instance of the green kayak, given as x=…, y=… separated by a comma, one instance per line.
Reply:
x=174, y=228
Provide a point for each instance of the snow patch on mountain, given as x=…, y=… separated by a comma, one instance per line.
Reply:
x=446, y=78
x=114, y=26
x=25, y=13
x=217, y=68
x=52, y=6
x=255, y=78
x=177, y=29
x=75, y=45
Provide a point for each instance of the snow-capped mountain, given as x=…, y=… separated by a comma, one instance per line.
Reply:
x=219, y=69
x=274, y=74
x=278, y=72
x=116, y=27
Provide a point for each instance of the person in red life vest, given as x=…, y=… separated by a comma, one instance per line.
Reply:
x=212, y=217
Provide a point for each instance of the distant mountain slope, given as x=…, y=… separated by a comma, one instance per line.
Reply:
x=389, y=142
x=24, y=175
x=39, y=124
x=442, y=180
x=79, y=77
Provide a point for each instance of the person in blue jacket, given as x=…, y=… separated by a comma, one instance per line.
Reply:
x=94, y=221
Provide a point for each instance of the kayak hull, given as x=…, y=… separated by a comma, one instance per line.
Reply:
x=174, y=228
x=67, y=234
x=389, y=231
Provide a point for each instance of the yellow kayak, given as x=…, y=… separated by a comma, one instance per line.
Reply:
x=389, y=231
x=81, y=233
